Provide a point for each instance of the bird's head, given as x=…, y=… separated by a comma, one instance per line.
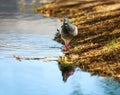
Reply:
x=66, y=20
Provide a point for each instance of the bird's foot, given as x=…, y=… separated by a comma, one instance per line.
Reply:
x=66, y=47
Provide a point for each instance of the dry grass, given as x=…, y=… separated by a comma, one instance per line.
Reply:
x=97, y=47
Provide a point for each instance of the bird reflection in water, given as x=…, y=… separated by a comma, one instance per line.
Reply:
x=67, y=70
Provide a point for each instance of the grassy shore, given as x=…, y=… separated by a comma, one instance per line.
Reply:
x=97, y=47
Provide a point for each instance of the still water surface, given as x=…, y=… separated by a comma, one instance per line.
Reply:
x=30, y=36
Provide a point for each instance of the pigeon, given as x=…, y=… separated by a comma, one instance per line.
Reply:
x=68, y=32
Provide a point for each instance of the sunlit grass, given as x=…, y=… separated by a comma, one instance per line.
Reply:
x=112, y=45
x=97, y=46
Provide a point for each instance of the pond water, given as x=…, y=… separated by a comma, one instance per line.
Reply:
x=29, y=35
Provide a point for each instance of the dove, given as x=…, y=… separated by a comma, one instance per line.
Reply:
x=68, y=32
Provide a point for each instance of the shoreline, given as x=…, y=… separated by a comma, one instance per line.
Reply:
x=96, y=49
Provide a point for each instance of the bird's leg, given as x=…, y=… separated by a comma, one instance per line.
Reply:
x=67, y=45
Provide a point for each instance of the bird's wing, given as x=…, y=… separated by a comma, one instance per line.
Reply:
x=73, y=30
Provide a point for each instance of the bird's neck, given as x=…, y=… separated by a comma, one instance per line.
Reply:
x=69, y=24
